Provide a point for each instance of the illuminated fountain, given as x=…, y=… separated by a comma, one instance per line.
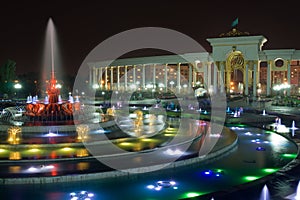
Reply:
x=14, y=135
x=82, y=132
x=294, y=125
x=265, y=193
x=51, y=122
x=53, y=108
x=293, y=128
x=139, y=125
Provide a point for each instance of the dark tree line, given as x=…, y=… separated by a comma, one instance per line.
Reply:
x=7, y=78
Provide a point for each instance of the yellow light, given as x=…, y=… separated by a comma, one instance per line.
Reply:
x=67, y=149
x=34, y=150
x=2, y=150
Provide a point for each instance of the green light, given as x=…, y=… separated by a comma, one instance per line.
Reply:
x=169, y=135
x=148, y=140
x=219, y=170
x=126, y=144
x=269, y=132
x=269, y=170
x=289, y=155
x=241, y=125
x=250, y=178
x=191, y=194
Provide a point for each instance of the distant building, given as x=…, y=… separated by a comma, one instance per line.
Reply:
x=237, y=64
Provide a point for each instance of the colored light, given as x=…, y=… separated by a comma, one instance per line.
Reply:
x=269, y=170
x=248, y=133
x=172, y=182
x=72, y=194
x=150, y=187
x=66, y=149
x=126, y=144
x=34, y=150
x=157, y=188
x=191, y=194
x=289, y=155
x=250, y=178
x=260, y=149
x=2, y=150
x=90, y=195
x=169, y=135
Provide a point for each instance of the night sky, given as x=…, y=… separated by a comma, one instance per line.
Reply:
x=82, y=25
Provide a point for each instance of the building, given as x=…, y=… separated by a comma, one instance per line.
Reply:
x=237, y=64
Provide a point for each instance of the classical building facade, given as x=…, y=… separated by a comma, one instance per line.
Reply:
x=237, y=64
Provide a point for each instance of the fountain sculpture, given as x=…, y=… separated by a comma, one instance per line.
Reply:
x=52, y=108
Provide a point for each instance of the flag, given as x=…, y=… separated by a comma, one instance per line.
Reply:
x=235, y=22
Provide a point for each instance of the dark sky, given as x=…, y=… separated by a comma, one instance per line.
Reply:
x=82, y=25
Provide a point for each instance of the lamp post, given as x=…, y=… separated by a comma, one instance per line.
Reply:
x=17, y=86
x=172, y=84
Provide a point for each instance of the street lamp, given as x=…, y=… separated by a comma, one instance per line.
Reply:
x=96, y=86
x=172, y=83
x=58, y=86
x=17, y=86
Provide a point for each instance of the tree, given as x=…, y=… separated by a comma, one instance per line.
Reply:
x=7, y=77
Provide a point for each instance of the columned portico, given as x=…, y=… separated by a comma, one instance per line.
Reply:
x=238, y=64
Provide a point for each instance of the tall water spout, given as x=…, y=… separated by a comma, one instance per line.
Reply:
x=265, y=193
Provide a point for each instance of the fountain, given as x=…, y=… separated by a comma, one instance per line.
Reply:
x=33, y=122
x=14, y=135
x=53, y=108
x=139, y=125
x=294, y=126
x=265, y=193
x=264, y=113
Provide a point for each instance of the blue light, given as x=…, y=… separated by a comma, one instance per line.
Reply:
x=82, y=195
x=260, y=149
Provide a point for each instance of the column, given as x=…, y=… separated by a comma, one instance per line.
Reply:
x=254, y=80
x=143, y=78
x=222, y=77
x=208, y=66
x=269, y=78
x=91, y=77
x=94, y=76
x=125, y=76
x=205, y=74
x=288, y=77
x=106, y=78
x=111, y=78
x=190, y=75
x=154, y=75
x=118, y=77
x=100, y=78
x=195, y=73
x=178, y=77
x=246, y=77
x=166, y=77
x=134, y=74
x=228, y=79
x=215, y=78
